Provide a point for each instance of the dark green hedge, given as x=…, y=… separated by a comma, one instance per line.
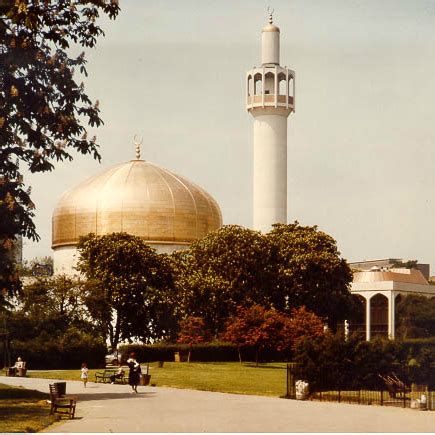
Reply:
x=208, y=352
x=66, y=351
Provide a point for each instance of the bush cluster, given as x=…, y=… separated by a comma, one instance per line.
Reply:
x=334, y=363
x=45, y=353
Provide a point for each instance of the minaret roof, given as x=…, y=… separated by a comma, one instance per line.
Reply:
x=270, y=28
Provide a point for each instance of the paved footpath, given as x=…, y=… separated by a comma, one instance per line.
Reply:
x=113, y=408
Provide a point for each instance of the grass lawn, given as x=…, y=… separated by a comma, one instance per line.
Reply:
x=265, y=380
x=23, y=410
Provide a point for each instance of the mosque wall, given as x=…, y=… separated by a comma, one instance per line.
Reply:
x=65, y=257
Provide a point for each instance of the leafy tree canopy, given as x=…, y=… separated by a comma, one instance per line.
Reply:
x=415, y=317
x=42, y=107
x=268, y=328
x=129, y=287
x=227, y=268
x=289, y=267
x=310, y=272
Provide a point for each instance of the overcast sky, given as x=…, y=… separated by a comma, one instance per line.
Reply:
x=361, y=152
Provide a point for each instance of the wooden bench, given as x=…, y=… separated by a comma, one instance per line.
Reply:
x=107, y=373
x=396, y=388
x=65, y=405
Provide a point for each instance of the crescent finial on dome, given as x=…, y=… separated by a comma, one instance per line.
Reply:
x=137, y=144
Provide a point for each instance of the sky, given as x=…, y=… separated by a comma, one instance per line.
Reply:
x=361, y=144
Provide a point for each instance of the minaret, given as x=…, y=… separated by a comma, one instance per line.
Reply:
x=270, y=100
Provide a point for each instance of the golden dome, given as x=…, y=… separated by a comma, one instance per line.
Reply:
x=138, y=198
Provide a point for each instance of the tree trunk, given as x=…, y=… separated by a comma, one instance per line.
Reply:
x=256, y=356
x=240, y=354
x=188, y=356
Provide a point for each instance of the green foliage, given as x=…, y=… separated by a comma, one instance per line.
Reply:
x=42, y=107
x=410, y=264
x=333, y=363
x=63, y=352
x=227, y=268
x=310, y=272
x=50, y=327
x=289, y=267
x=30, y=268
x=415, y=317
x=129, y=290
x=215, y=351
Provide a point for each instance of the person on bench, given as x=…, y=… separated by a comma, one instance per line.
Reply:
x=118, y=375
x=18, y=367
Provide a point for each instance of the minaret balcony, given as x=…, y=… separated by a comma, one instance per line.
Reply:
x=270, y=86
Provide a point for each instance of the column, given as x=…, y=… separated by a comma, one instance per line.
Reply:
x=368, y=318
x=391, y=315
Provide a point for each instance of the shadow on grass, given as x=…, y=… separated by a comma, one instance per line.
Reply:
x=12, y=393
x=261, y=366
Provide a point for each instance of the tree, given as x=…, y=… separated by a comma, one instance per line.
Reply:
x=129, y=290
x=227, y=268
x=268, y=328
x=42, y=107
x=57, y=298
x=415, y=317
x=193, y=331
x=310, y=272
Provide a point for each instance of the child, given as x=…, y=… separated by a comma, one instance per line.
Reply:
x=84, y=374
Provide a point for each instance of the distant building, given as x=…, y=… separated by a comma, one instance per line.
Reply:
x=381, y=286
x=388, y=263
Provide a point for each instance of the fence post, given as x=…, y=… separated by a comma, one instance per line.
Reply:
x=291, y=388
x=382, y=397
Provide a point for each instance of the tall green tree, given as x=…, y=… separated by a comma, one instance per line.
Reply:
x=129, y=289
x=309, y=271
x=415, y=317
x=43, y=108
x=227, y=268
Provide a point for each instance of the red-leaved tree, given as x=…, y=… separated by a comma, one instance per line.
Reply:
x=262, y=328
x=193, y=331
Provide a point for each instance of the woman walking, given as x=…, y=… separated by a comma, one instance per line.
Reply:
x=134, y=373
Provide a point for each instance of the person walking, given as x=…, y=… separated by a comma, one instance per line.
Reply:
x=134, y=373
x=84, y=374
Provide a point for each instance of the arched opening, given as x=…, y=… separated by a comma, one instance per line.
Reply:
x=357, y=322
x=379, y=316
x=269, y=84
x=250, y=86
x=281, y=84
x=258, y=84
x=291, y=87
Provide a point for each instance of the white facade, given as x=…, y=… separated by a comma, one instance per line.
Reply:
x=270, y=99
x=65, y=257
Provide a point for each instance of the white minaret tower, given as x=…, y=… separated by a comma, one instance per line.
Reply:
x=270, y=100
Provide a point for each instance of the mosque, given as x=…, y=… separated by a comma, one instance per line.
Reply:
x=170, y=212
x=167, y=210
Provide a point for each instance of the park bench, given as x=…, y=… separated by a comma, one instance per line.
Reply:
x=107, y=373
x=396, y=388
x=65, y=405
x=13, y=371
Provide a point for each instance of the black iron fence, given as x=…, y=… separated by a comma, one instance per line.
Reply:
x=386, y=390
